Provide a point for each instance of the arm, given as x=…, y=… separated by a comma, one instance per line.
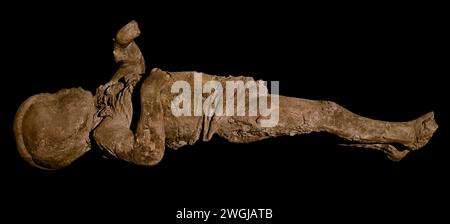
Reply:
x=127, y=53
x=113, y=135
x=114, y=101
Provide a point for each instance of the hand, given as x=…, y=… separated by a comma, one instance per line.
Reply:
x=128, y=33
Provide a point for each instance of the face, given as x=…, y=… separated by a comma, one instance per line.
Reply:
x=52, y=130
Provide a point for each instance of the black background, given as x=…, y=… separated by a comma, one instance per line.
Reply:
x=381, y=61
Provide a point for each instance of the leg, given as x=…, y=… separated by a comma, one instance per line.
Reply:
x=300, y=116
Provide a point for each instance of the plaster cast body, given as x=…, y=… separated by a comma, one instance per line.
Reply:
x=52, y=130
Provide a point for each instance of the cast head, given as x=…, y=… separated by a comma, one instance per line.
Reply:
x=52, y=130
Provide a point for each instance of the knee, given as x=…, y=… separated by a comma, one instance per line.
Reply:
x=329, y=107
x=330, y=104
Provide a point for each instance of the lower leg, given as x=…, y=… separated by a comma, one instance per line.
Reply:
x=300, y=116
x=380, y=135
x=412, y=134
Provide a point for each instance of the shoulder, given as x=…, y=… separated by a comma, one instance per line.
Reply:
x=156, y=80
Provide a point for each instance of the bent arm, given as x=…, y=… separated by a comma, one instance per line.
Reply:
x=128, y=54
x=115, y=110
x=146, y=146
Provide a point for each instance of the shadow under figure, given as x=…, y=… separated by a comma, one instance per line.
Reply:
x=52, y=130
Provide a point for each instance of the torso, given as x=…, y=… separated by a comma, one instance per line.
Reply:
x=181, y=130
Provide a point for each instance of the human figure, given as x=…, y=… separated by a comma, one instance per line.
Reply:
x=52, y=130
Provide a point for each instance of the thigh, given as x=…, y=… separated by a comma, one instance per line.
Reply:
x=296, y=116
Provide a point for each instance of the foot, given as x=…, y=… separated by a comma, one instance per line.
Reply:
x=424, y=128
x=389, y=150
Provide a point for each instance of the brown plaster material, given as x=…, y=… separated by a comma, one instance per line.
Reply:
x=52, y=130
